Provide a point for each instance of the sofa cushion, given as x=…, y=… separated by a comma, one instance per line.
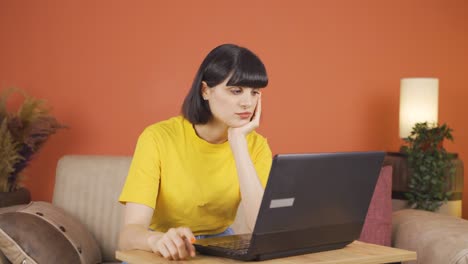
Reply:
x=377, y=227
x=3, y=259
x=436, y=238
x=88, y=188
x=42, y=233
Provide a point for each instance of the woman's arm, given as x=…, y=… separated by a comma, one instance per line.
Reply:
x=175, y=244
x=250, y=186
x=135, y=232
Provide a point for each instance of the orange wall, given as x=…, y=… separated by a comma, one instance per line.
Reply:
x=110, y=68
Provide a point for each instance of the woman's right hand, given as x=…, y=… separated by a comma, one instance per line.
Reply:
x=175, y=244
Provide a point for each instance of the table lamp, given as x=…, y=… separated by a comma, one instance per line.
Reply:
x=418, y=103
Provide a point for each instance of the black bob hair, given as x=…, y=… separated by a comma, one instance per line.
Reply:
x=228, y=60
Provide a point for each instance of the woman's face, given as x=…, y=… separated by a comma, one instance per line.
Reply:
x=232, y=105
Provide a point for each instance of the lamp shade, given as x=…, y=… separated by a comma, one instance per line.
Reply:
x=419, y=99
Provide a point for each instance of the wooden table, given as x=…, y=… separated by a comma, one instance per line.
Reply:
x=355, y=253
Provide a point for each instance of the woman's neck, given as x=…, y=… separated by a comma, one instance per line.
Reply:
x=212, y=132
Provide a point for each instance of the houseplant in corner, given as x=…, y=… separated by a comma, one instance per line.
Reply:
x=22, y=133
x=430, y=166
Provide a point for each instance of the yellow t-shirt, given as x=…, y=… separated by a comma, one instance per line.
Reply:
x=188, y=181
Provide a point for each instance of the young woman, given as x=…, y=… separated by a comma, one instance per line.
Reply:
x=189, y=173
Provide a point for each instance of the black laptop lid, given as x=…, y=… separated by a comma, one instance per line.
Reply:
x=316, y=199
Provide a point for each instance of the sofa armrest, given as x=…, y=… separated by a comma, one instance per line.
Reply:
x=3, y=259
x=435, y=237
x=88, y=188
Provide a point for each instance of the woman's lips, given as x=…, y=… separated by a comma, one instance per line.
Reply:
x=244, y=115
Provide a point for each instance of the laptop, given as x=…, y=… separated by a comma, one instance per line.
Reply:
x=311, y=203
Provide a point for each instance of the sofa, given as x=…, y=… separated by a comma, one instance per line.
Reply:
x=84, y=208
x=87, y=189
x=436, y=238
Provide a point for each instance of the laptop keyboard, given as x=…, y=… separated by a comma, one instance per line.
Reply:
x=238, y=247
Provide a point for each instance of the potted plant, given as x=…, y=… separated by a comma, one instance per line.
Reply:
x=430, y=166
x=22, y=134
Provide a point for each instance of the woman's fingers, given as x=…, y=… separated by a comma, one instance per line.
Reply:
x=190, y=248
x=164, y=251
x=176, y=244
x=189, y=238
x=178, y=241
x=255, y=122
x=172, y=248
x=258, y=111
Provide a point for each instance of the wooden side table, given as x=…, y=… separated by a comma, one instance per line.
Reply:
x=355, y=253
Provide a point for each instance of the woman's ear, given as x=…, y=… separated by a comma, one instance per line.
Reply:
x=205, y=91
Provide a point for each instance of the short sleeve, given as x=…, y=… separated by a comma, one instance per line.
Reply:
x=142, y=183
x=262, y=160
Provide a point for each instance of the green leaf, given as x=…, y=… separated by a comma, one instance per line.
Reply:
x=430, y=166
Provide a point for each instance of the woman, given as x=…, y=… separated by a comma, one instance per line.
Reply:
x=188, y=173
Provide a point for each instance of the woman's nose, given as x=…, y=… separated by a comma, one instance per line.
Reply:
x=247, y=101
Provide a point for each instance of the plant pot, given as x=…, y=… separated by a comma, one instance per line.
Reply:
x=21, y=196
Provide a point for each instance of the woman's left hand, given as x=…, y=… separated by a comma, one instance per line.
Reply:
x=249, y=127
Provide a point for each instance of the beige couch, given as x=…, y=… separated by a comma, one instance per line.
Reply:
x=87, y=187
x=437, y=238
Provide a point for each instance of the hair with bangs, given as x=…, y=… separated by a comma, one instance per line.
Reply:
x=243, y=67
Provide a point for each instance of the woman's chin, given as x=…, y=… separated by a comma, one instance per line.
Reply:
x=239, y=123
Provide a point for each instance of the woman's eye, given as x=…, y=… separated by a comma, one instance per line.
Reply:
x=255, y=92
x=236, y=91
